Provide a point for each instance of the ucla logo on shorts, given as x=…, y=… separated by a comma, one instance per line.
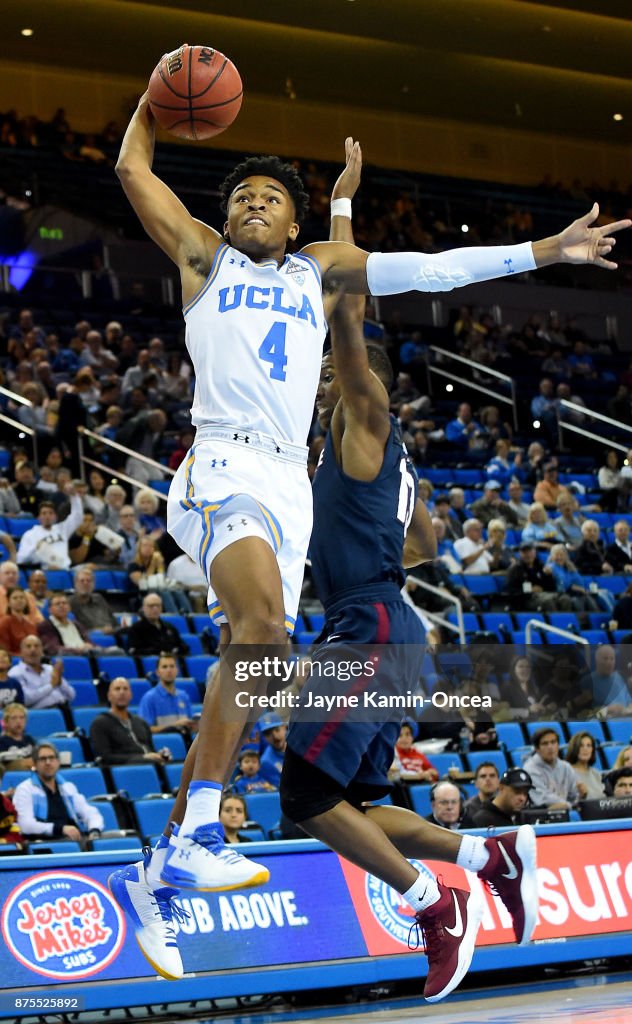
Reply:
x=388, y=907
x=62, y=924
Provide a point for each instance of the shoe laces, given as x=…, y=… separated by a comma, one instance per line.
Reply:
x=169, y=912
x=430, y=936
x=209, y=837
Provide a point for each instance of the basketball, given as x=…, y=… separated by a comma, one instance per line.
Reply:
x=195, y=92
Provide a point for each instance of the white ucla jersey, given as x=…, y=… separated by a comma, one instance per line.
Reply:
x=255, y=334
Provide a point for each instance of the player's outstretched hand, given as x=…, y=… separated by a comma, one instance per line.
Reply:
x=348, y=182
x=581, y=243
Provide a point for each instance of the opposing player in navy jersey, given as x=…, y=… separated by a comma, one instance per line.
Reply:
x=365, y=514
x=240, y=504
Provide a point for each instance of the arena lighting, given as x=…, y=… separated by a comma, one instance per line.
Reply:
x=465, y=228
x=617, y=117
x=536, y=424
x=449, y=387
x=26, y=32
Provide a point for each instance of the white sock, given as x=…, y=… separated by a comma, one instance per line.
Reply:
x=473, y=854
x=156, y=863
x=202, y=806
x=423, y=893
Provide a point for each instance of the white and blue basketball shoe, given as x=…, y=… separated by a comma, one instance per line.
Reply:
x=205, y=862
x=152, y=913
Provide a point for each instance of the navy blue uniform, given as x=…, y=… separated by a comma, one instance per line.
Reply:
x=356, y=553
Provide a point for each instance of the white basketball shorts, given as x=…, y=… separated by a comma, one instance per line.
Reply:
x=229, y=488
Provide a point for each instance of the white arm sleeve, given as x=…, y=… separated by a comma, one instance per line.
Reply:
x=391, y=273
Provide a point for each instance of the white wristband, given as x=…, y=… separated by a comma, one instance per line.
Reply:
x=340, y=208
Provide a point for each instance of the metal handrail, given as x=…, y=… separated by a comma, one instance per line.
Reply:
x=546, y=628
x=440, y=619
x=120, y=476
x=472, y=384
x=575, y=429
x=15, y=397
x=84, y=432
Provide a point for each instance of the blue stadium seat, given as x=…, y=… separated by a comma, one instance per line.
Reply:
x=103, y=579
x=609, y=752
x=316, y=620
x=44, y=722
x=256, y=835
x=615, y=584
x=519, y=639
x=470, y=620
x=120, y=843
x=174, y=741
x=149, y=662
x=139, y=688
x=85, y=693
x=12, y=779
x=70, y=745
x=497, y=622
x=18, y=527
x=420, y=799
x=305, y=637
x=467, y=477
x=198, y=665
x=563, y=620
x=116, y=665
x=173, y=771
x=89, y=780
x=177, y=621
x=120, y=580
x=138, y=780
x=592, y=726
x=265, y=809
x=497, y=757
x=102, y=639
x=480, y=586
x=191, y=688
x=77, y=667
x=108, y=814
x=153, y=815
x=201, y=622
x=599, y=620
x=44, y=846
x=194, y=643
x=619, y=729
x=510, y=734
x=161, y=485
x=533, y=727
x=445, y=760
x=59, y=579
x=595, y=636
x=521, y=618
x=83, y=717
x=454, y=664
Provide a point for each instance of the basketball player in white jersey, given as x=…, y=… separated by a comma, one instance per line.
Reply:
x=240, y=504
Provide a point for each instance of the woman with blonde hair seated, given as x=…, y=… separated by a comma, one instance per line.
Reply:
x=147, y=572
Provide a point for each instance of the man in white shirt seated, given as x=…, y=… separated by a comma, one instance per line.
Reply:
x=472, y=550
x=43, y=685
x=46, y=544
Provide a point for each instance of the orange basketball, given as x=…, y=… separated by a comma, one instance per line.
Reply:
x=195, y=92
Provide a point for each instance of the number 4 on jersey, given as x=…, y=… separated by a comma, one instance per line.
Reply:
x=272, y=350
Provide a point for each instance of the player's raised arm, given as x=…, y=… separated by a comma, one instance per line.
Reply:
x=421, y=540
x=393, y=273
x=166, y=220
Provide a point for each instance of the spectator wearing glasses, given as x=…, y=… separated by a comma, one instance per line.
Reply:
x=48, y=806
x=446, y=804
x=150, y=635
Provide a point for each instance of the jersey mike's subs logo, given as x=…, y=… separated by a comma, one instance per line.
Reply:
x=62, y=924
x=389, y=909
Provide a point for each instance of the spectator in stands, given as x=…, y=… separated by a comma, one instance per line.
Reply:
x=623, y=759
x=536, y=458
x=443, y=511
x=619, y=554
x=568, y=581
x=568, y=525
x=143, y=434
x=38, y=590
x=518, y=694
x=543, y=408
x=590, y=556
x=85, y=547
x=581, y=361
x=472, y=550
x=622, y=611
x=94, y=500
x=25, y=488
x=486, y=782
x=9, y=579
x=556, y=366
x=186, y=574
x=516, y=504
x=91, y=610
x=410, y=764
x=46, y=544
x=622, y=788
x=446, y=805
x=60, y=634
x=9, y=503
x=166, y=708
x=146, y=505
x=505, y=808
x=437, y=575
x=119, y=737
x=503, y=468
x=540, y=530
x=129, y=530
x=405, y=392
x=274, y=733
x=548, y=490
x=554, y=782
x=16, y=746
x=150, y=635
x=502, y=558
x=250, y=778
x=147, y=572
x=43, y=686
x=609, y=479
x=47, y=805
x=425, y=491
x=445, y=548
x=233, y=815
x=179, y=454
x=530, y=588
x=491, y=505
x=10, y=689
x=114, y=498
x=605, y=686
x=460, y=432
x=16, y=624
x=581, y=754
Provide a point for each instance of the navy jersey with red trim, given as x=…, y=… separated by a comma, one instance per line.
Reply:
x=359, y=526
